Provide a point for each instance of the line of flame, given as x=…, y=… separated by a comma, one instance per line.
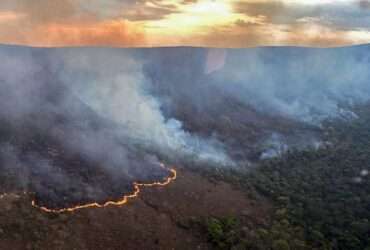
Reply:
x=120, y=202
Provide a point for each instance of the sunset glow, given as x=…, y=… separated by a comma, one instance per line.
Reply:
x=193, y=19
x=216, y=23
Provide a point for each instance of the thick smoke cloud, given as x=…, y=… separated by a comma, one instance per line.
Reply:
x=68, y=116
x=115, y=87
x=250, y=97
x=109, y=85
x=67, y=113
x=306, y=84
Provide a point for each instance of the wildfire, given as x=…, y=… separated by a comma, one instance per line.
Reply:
x=120, y=202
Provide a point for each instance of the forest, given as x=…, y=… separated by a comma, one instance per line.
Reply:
x=320, y=197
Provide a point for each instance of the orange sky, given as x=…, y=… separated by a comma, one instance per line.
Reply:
x=215, y=23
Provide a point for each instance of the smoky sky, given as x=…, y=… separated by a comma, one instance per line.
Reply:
x=307, y=84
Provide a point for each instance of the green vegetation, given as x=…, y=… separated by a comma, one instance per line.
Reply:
x=321, y=198
x=228, y=233
x=221, y=232
x=326, y=192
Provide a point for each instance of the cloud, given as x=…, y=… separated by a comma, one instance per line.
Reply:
x=58, y=23
x=250, y=23
x=364, y=4
x=340, y=14
x=314, y=34
x=76, y=23
x=150, y=11
x=163, y=23
x=42, y=11
x=267, y=8
x=112, y=33
x=244, y=34
x=9, y=16
x=131, y=10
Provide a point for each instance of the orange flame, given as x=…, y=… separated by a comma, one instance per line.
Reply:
x=119, y=202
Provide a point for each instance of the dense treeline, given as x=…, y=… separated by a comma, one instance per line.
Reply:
x=326, y=193
x=321, y=198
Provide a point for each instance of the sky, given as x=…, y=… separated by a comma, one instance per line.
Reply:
x=208, y=23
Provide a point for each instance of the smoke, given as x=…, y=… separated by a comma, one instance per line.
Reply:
x=97, y=103
x=364, y=4
x=305, y=84
x=114, y=86
x=275, y=147
x=245, y=96
x=85, y=120
x=110, y=115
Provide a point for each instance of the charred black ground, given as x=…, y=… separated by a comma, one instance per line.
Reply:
x=271, y=148
x=59, y=177
x=35, y=157
x=57, y=147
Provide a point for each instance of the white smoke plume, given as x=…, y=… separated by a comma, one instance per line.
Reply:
x=307, y=84
x=113, y=85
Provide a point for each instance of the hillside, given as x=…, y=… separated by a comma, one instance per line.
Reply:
x=269, y=144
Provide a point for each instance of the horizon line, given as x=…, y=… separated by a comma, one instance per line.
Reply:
x=178, y=46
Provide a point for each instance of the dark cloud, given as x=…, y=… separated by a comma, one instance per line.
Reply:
x=278, y=12
x=140, y=10
x=364, y=4
x=269, y=9
x=246, y=24
x=343, y=15
x=154, y=11
x=42, y=11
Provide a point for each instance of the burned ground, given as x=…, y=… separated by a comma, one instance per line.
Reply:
x=60, y=150
x=56, y=146
x=160, y=219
